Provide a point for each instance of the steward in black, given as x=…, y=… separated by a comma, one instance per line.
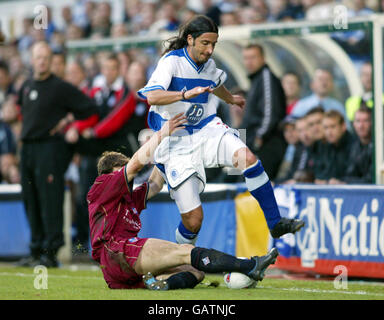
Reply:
x=265, y=109
x=45, y=156
x=44, y=103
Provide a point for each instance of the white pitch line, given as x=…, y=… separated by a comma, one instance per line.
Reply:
x=19, y=274
x=361, y=293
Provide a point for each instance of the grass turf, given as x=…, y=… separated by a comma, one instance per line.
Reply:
x=68, y=284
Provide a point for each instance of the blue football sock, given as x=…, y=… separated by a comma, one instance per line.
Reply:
x=183, y=235
x=260, y=187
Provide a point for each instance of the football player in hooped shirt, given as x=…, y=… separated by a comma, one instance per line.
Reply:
x=114, y=209
x=186, y=80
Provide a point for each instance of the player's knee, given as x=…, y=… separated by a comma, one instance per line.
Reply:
x=193, y=224
x=250, y=158
x=244, y=158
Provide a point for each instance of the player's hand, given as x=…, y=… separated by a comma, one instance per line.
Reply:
x=88, y=133
x=189, y=94
x=238, y=100
x=335, y=181
x=59, y=126
x=174, y=124
x=72, y=135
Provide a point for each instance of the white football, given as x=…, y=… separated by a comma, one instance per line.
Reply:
x=236, y=280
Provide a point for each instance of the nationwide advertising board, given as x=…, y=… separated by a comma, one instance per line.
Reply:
x=344, y=228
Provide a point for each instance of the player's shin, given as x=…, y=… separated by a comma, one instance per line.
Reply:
x=260, y=187
x=213, y=261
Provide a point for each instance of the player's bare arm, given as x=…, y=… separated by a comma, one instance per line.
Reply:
x=155, y=182
x=161, y=97
x=223, y=93
x=144, y=155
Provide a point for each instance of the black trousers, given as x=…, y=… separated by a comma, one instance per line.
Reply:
x=271, y=154
x=43, y=164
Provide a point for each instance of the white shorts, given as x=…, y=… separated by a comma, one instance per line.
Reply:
x=183, y=156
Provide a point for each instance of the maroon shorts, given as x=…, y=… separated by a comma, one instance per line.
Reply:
x=117, y=259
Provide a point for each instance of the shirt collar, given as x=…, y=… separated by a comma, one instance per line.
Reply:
x=198, y=68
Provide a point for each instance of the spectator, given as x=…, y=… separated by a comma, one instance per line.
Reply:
x=314, y=119
x=6, y=87
x=300, y=156
x=229, y=19
x=212, y=10
x=321, y=86
x=7, y=152
x=73, y=32
x=308, y=5
x=293, y=11
x=167, y=18
x=124, y=62
x=264, y=110
x=11, y=116
x=276, y=8
x=119, y=30
x=81, y=14
x=292, y=87
x=91, y=66
x=250, y=15
x=76, y=75
x=355, y=42
x=51, y=28
x=186, y=15
x=58, y=64
x=360, y=168
x=25, y=41
x=261, y=7
x=101, y=20
x=355, y=102
x=292, y=139
x=333, y=163
x=66, y=15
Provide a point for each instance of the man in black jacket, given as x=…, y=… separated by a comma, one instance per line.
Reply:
x=264, y=110
x=337, y=151
x=360, y=162
x=45, y=101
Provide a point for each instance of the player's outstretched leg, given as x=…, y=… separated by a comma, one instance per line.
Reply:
x=159, y=256
x=213, y=261
x=260, y=187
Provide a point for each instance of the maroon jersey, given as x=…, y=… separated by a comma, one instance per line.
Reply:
x=114, y=209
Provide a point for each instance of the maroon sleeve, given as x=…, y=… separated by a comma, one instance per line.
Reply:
x=116, y=185
x=139, y=196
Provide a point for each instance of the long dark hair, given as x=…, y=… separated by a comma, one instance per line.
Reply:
x=195, y=27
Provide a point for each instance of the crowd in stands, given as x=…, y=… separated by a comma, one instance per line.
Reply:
x=307, y=139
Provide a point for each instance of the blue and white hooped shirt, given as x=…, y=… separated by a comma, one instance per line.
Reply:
x=176, y=71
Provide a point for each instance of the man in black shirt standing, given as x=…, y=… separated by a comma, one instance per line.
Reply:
x=45, y=100
x=264, y=111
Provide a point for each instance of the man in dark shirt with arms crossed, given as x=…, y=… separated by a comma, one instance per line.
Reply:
x=45, y=101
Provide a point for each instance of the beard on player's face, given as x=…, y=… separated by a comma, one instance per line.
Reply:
x=199, y=55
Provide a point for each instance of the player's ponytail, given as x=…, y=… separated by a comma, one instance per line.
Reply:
x=195, y=27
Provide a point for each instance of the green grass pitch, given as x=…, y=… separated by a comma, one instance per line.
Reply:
x=71, y=284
